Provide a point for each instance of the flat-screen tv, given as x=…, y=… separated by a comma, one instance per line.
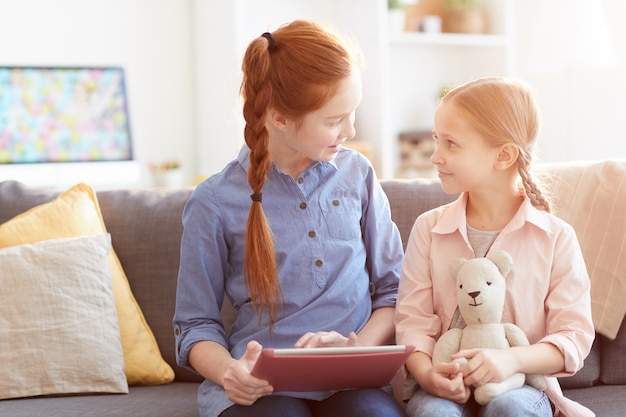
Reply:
x=53, y=117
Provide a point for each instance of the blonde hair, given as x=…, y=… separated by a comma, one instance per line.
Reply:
x=293, y=70
x=503, y=110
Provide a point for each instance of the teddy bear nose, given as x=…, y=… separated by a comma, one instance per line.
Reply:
x=474, y=294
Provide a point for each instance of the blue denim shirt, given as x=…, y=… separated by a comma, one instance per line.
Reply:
x=339, y=257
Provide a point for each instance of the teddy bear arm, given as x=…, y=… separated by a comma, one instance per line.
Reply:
x=516, y=337
x=447, y=345
x=487, y=392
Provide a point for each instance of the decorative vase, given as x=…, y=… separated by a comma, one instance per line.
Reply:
x=471, y=20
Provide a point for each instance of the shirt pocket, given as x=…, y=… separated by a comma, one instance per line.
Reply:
x=342, y=215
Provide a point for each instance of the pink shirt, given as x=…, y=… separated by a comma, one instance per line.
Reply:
x=548, y=289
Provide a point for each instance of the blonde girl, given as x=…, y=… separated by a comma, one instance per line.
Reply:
x=484, y=132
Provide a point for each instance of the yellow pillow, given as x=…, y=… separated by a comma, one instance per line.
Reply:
x=76, y=213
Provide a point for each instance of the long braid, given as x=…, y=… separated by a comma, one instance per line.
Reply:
x=260, y=268
x=293, y=71
x=532, y=190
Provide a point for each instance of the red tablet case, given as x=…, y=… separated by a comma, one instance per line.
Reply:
x=330, y=368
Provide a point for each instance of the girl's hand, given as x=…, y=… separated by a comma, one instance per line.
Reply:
x=241, y=387
x=326, y=339
x=446, y=381
x=486, y=365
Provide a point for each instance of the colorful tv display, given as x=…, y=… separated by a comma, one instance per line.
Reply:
x=63, y=115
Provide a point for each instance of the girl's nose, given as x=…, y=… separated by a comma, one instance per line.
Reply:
x=434, y=158
x=350, y=131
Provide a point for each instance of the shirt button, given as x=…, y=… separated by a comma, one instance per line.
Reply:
x=311, y=233
x=300, y=180
x=319, y=262
x=336, y=202
x=302, y=206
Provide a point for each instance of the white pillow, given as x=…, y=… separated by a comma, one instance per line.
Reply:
x=59, y=331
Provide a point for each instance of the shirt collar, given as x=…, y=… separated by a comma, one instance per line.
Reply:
x=244, y=157
x=244, y=160
x=453, y=217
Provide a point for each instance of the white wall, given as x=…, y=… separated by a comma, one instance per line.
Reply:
x=582, y=98
x=165, y=44
x=151, y=39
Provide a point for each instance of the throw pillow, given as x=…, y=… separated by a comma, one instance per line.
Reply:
x=591, y=196
x=76, y=213
x=59, y=332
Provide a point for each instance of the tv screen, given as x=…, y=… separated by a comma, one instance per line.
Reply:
x=63, y=115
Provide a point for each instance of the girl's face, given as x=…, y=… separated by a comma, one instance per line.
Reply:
x=464, y=159
x=321, y=133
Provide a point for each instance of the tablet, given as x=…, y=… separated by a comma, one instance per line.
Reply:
x=317, y=369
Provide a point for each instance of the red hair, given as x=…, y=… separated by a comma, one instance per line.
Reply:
x=294, y=70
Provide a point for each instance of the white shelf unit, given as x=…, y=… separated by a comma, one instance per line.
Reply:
x=421, y=64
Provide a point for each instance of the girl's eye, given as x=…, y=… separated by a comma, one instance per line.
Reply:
x=335, y=122
x=436, y=139
x=451, y=145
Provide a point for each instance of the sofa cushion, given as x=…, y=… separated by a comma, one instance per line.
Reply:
x=76, y=213
x=146, y=225
x=603, y=400
x=59, y=332
x=410, y=198
x=177, y=399
x=614, y=358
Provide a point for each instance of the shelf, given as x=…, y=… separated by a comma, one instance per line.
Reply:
x=420, y=64
x=452, y=39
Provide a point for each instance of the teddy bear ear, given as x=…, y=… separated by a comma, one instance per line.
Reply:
x=455, y=266
x=502, y=260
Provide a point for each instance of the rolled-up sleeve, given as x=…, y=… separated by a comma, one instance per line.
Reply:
x=199, y=297
x=568, y=305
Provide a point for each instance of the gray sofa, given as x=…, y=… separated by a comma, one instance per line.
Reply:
x=151, y=219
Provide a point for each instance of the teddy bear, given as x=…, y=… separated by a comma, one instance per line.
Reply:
x=480, y=292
